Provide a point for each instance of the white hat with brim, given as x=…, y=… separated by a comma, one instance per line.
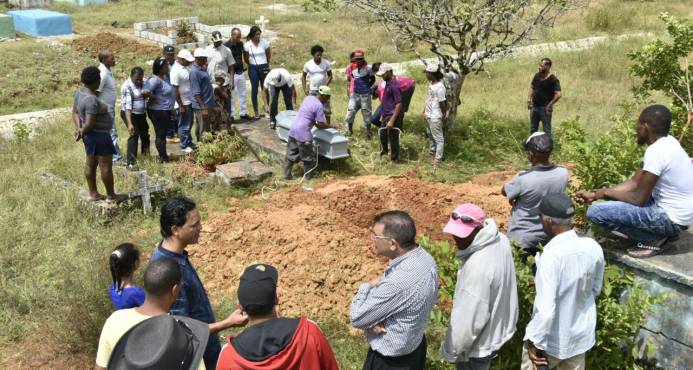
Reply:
x=432, y=67
x=384, y=68
x=200, y=53
x=186, y=54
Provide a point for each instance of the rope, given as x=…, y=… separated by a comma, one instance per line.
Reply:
x=277, y=183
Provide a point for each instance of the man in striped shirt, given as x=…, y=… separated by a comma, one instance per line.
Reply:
x=393, y=309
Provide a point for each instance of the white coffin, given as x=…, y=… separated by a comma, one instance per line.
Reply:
x=330, y=143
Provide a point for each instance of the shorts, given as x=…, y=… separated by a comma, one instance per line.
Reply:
x=98, y=144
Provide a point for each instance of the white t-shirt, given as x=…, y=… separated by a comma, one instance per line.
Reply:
x=219, y=60
x=436, y=95
x=317, y=73
x=180, y=76
x=674, y=188
x=257, y=54
x=280, y=76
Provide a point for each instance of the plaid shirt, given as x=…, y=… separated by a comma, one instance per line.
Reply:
x=402, y=301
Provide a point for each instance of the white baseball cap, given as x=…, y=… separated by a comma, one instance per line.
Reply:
x=432, y=67
x=384, y=68
x=186, y=54
x=200, y=53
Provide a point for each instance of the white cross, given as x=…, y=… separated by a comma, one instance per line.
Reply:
x=145, y=190
x=262, y=22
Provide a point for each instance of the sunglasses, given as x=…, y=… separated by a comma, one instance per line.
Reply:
x=467, y=219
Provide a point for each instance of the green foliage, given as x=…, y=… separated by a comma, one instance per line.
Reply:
x=315, y=6
x=21, y=131
x=609, y=17
x=217, y=149
x=622, y=307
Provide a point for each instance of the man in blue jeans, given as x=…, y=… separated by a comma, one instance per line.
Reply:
x=544, y=92
x=180, y=79
x=656, y=204
x=180, y=227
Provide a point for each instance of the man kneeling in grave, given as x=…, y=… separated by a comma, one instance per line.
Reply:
x=300, y=143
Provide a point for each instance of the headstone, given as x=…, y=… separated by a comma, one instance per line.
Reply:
x=83, y=2
x=262, y=22
x=40, y=22
x=145, y=188
x=330, y=143
x=6, y=26
x=242, y=172
x=28, y=4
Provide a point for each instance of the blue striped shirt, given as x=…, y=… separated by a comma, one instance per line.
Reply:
x=402, y=301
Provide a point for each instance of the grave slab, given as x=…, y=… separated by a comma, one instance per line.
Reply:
x=40, y=22
x=242, y=172
x=262, y=139
x=82, y=2
x=6, y=26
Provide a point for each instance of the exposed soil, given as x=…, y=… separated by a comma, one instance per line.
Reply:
x=106, y=40
x=186, y=38
x=319, y=241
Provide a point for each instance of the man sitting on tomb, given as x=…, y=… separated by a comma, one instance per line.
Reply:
x=656, y=204
x=270, y=341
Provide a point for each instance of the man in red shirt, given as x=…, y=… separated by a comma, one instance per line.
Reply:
x=271, y=342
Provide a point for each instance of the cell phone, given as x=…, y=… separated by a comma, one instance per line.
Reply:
x=542, y=354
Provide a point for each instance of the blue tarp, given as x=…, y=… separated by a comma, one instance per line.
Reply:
x=39, y=22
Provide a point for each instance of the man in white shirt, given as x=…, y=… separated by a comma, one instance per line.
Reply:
x=220, y=58
x=107, y=93
x=656, y=204
x=434, y=112
x=180, y=79
x=568, y=281
x=319, y=72
x=484, y=308
x=278, y=80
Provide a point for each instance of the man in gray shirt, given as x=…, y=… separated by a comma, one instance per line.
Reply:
x=107, y=94
x=526, y=190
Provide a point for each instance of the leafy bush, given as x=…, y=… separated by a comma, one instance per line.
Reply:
x=618, y=319
x=21, y=131
x=219, y=148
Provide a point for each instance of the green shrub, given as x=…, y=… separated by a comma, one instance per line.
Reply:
x=618, y=319
x=219, y=148
x=21, y=131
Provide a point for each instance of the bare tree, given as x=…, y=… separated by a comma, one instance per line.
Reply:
x=463, y=33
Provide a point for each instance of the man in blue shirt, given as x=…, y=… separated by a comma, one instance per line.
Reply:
x=393, y=309
x=392, y=113
x=180, y=227
x=202, y=92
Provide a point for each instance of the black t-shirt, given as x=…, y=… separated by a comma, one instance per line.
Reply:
x=237, y=52
x=544, y=89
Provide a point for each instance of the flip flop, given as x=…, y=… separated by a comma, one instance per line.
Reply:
x=648, y=250
x=117, y=199
x=98, y=198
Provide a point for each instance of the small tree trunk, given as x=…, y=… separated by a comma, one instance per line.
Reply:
x=453, y=85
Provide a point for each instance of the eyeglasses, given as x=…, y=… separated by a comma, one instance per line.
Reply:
x=376, y=237
x=467, y=219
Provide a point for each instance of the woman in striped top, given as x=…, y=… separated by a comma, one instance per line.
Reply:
x=133, y=112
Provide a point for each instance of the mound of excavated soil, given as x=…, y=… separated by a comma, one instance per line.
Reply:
x=118, y=45
x=320, y=241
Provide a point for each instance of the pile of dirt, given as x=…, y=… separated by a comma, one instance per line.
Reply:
x=117, y=44
x=320, y=241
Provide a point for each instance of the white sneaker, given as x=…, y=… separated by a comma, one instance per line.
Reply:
x=187, y=150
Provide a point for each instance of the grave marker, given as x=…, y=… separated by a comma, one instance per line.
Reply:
x=262, y=22
x=146, y=189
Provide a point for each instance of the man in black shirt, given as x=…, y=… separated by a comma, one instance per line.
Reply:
x=544, y=92
x=239, y=91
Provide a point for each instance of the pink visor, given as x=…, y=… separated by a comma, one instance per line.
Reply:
x=464, y=219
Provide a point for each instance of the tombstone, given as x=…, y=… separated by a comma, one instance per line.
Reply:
x=82, y=2
x=6, y=26
x=242, y=172
x=146, y=188
x=262, y=22
x=330, y=143
x=39, y=22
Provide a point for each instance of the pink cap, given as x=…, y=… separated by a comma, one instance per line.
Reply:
x=464, y=219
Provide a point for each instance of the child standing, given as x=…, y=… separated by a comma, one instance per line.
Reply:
x=123, y=261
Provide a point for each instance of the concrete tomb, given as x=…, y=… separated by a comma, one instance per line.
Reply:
x=40, y=22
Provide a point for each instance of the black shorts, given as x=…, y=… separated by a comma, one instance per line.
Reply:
x=98, y=144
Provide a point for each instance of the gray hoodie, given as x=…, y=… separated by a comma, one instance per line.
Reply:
x=484, y=309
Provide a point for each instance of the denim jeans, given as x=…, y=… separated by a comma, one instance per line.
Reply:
x=391, y=136
x=641, y=224
x=256, y=79
x=356, y=102
x=375, y=116
x=185, y=121
x=114, y=137
x=161, y=119
x=537, y=114
x=483, y=363
x=274, y=100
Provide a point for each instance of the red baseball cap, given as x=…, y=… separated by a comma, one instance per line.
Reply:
x=464, y=219
x=358, y=54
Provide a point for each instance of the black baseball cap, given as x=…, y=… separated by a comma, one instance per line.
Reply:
x=169, y=49
x=539, y=142
x=557, y=205
x=258, y=286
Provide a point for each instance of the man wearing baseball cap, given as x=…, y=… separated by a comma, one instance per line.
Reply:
x=569, y=278
x=360, y=78
x=484, y=309
x=220, y=58
x=300, y=143
x=278, y=80
x=180, y=80
x=169, y=54
x=202, y=92
x=527, y=188
x=392, y=113
x=270, y=341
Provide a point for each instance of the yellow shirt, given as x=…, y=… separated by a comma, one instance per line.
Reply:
x=116, y=325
